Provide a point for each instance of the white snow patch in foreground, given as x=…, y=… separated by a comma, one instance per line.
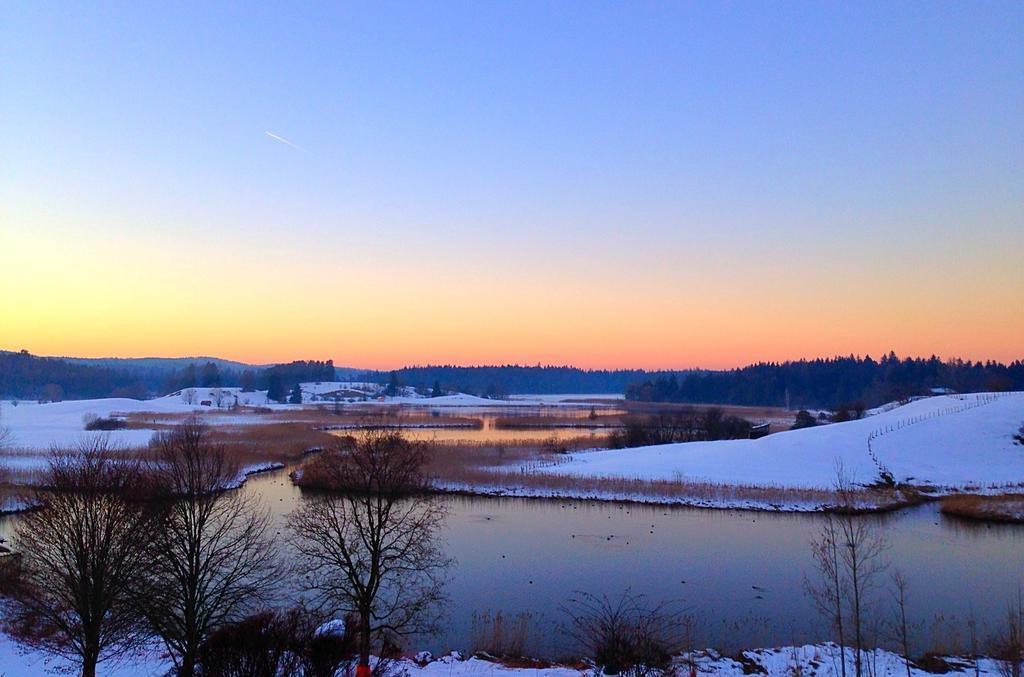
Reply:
x=821, y=660
x=947, y=441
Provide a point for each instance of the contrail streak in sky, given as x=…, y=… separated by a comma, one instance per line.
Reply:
x=283, y=140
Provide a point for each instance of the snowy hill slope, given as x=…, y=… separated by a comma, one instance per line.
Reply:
x=952, y=441
x=38, y=426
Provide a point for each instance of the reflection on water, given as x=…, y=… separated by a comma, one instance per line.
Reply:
x=490, y=432
x=740, y=574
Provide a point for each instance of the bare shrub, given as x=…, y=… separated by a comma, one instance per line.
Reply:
x=257, y=646
x=94, y=423
x=6, y=437
x=80, y=557
x=626, y=636
x=271, y=644
x=1007, y=647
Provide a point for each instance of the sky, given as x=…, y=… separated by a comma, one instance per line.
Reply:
x=602, y=184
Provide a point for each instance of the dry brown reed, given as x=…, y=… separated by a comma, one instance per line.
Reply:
x=599, y=420
x=1000, y=508
x=502, y=636
x=317, y=417
x=274, y=442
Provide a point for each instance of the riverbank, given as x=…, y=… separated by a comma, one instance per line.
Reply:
x=16, y=499
x=690, y=495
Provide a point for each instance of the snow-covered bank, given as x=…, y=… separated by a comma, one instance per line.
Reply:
x=723, y=497
x=822, y=660
x=947, y=441
x=25, y=500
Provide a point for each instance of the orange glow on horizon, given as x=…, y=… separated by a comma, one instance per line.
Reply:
x=102, y=299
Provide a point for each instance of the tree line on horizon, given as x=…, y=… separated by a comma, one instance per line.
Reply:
x=830, y=382
x=822, y=382
x=51, y=379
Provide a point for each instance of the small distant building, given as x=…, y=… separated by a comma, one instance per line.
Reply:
x=760, y=430
x=206, y=403
x=942, y=391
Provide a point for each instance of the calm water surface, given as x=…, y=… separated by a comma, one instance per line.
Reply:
x=740, y=574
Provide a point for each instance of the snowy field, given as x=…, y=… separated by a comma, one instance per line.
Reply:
x=39, y=426
x=820, y=660
x=945, y=441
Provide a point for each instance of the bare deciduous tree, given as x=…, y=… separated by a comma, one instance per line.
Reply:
x=368, y=546
x=849, y=555
x=210, y=558
x=862, y=550
x=899, y=592
x=80, y=555
x=828, y=593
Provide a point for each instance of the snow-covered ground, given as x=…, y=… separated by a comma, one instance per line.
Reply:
x=821, y=660
x=950, y=442
x=946, y=441
x=578, y=398
x=39, y=426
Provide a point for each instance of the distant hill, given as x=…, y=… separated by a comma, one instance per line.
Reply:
x=23, y=375
x=347, y=374
x=27, y=376
x=512, y=379
x=168, y=363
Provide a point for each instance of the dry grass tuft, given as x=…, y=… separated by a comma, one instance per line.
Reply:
x=501, y=636
x=1001, y=508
